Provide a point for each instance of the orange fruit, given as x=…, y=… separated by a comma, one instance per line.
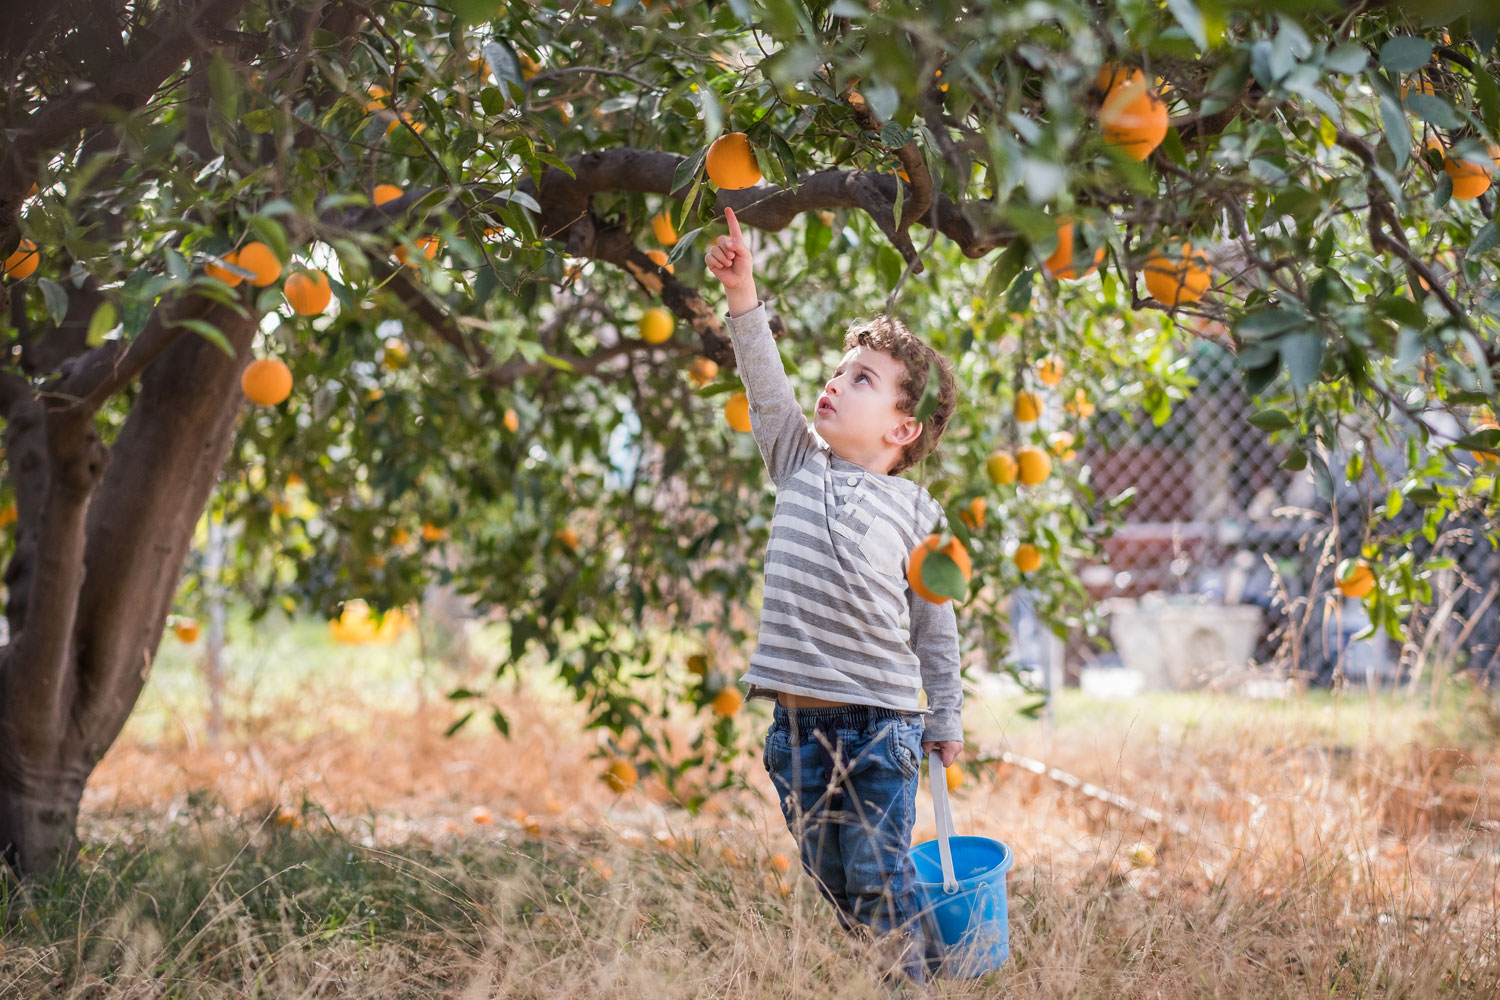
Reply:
x=1358, y=579
x=224, y=274
x=400, y=537
x=1033, y=464
x=1484, y=423
x=266, y=381
x=1177, y=280
x=405, y=117
x=568, y=537
x=8, y=515
x=1060, y=264
x=260, y=260
x=529, y=66
x=703, y=371
x=656, y=325
x=731, y=164
x=432, y=533
x=1001, y=468
x=378, y=94
x=1109, y=74
x=1470, y=180
x=953, y=777
x=737, y=412
x=1420, y=86
x=186, y=630
x=511, y=421
x=666, y=233
x=781, y=863
x=727, y=702
x=1061, y=445
x=1079, y=405
x=1134, y=117
x=1027, y=408
x=428, y=245
x=659, y=258
x=954, y=551
x=1027, y=558
x=23, y=262
x=385, y=192
x=1049, y=370
x=621, y=776
x=308, y=292
x=974, y=515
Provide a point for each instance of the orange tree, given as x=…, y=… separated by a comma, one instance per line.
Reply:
x=447, y=222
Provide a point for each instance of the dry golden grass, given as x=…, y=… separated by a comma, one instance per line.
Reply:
x=385, y=861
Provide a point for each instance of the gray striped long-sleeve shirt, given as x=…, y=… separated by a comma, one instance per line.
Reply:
x=838, y=619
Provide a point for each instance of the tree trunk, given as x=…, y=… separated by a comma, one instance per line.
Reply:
x=63, y=701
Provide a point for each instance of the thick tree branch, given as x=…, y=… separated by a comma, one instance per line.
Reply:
x=127, y=88
x=96, y=376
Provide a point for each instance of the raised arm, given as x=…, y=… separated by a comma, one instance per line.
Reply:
x=776, y=418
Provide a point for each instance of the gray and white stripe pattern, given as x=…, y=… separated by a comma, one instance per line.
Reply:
x=838, y=618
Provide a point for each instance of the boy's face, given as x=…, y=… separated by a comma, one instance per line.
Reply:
x=857, y=409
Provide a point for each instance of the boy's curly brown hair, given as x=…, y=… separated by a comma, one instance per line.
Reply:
x=889, y=335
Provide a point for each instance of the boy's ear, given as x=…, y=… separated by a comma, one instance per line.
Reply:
x=905, y=432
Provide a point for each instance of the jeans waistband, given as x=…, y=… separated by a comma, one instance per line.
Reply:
x=843, y=715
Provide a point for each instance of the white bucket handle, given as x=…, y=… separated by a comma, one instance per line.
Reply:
x=937, y=775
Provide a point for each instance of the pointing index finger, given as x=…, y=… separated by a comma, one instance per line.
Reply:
x=734, y=224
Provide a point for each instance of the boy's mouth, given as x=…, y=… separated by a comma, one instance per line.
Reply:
x=824, y=406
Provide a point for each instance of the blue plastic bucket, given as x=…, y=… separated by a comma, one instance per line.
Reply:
x=970, y=925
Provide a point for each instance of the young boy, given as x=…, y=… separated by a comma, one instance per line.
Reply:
x=845, y=646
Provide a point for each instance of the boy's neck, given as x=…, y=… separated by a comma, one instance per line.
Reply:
x=880, y=465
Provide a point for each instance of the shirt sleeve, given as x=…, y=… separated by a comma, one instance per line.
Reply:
x=776, y=419
x=934, y=638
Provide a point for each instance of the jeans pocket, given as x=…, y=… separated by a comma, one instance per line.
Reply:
x=777, y=752
x=907, y=757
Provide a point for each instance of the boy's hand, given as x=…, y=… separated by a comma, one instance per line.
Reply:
x=950, y=749
x=729, y=258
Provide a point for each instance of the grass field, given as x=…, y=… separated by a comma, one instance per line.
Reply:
x=333, y=843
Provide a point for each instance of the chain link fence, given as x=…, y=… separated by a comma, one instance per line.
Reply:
x=1223, y=572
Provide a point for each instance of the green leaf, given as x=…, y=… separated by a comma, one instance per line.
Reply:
x=1484, y=440
x=1295, y=461
x=471, y=11
x=1404, y=54
x=816, y=238
x=1302, y=353
x=683, y=244
x=941, y=575
x=208, y=332
x=459, y=724
x=787, y=158
x=1488, y=93
x=501, y=723
x=1484, y=241
x=1397, y=131
x=458, y=694
x=105, y=319
x=1347, y=59
x=224, y=86
x=1191, y=18
x=688, y=169
x=1271, y=420
x=1433, y=110
x=57, y=299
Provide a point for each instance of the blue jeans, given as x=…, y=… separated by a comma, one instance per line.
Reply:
x=847, y=781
